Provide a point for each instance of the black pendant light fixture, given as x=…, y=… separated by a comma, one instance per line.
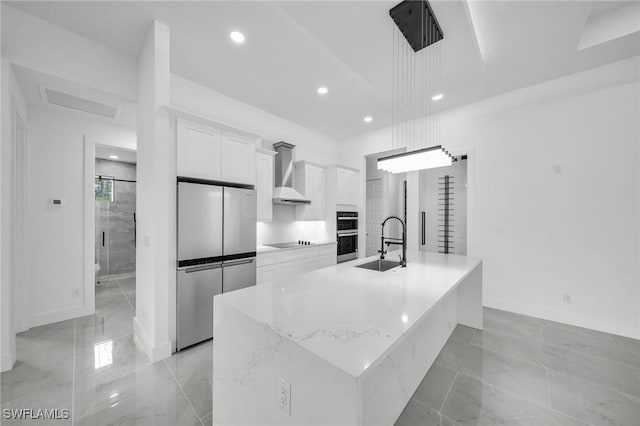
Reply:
x=416, y=89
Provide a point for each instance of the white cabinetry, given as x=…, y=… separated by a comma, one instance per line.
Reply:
x=198, y=151
x=282, y=266
x=347, y=186
x=238, y=161
x=311, y=181
x=207, y=152
x=264, y=184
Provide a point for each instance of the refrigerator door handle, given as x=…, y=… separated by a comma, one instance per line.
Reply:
x=238, y=262
x=190, y=269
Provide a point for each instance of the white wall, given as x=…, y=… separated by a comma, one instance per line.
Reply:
x=310, y=146
x=40, y=45
x=56, y=169
x=543, y=234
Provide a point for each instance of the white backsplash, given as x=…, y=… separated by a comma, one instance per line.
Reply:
x=280, y=231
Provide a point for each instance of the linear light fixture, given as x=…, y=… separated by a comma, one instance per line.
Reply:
x=415, y=121
x=427, y=158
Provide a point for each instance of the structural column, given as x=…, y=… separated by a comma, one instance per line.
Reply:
x=155, y=271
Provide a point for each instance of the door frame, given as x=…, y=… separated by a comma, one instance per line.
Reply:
x=89, y=240
x=20, y=230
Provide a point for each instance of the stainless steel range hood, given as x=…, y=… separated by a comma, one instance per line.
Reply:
x=284, y=192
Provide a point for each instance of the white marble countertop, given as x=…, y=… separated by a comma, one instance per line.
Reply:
x=267, y=249
x=351, y=316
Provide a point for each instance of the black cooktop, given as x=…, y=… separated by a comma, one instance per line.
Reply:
x=290, y=244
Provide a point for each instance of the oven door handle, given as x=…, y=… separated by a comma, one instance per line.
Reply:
x=350, y=234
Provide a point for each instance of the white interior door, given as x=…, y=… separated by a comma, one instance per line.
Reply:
x=374, y=215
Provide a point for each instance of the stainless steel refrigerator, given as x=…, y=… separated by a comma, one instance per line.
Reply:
x=216, y=252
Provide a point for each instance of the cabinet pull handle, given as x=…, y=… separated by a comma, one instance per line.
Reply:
x=424, y=231
x=102, y=238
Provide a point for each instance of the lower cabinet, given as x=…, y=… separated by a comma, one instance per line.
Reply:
x=286, y=264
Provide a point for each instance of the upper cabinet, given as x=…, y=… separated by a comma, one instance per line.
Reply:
x=207, y=152
x=198, y=151
x=264, y=184
x=311, y=181
x=238, y=159
x=347, y=186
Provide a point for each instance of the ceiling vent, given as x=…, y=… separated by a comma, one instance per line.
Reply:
x=78, y=103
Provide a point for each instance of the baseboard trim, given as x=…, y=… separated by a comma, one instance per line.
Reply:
x=7, y=360
x=561, y=317
x=61, y=315
x=143, y=341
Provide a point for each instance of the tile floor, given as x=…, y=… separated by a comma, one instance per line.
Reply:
x=91, y=367
x=517, y=371
x=525, y=371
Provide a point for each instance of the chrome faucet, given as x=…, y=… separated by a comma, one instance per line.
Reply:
x=389, y=241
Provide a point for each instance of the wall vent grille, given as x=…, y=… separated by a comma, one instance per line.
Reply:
x=66, y=100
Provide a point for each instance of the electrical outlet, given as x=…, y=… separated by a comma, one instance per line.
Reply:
x=284, y=395
x=557, y=169
x=566, y=297
x=75, y=292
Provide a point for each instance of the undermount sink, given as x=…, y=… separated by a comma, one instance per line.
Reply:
x=379, y=265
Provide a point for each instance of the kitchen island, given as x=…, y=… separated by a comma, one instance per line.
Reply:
x=341, y=345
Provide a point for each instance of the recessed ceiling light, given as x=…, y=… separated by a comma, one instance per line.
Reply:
x=237, y=37
x=115, y=157
x=437, y=97
x=323, y=90
x=368, y=119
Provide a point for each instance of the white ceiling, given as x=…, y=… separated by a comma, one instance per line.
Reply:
x=32, y=83
x=107, y=152
x=291, y=48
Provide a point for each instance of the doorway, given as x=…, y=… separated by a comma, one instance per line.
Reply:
x=374, y=215
x=115, y=220
x=384, y=197
x=443, y=208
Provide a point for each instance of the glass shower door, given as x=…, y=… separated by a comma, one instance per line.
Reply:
x=114, y=226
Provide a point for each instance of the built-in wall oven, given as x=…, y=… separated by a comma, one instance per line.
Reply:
x=347, y=235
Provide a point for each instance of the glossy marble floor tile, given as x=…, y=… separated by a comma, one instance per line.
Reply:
x=594, y=404
x=517, y=371
x=207, y=420
x=192, y=369
x=474, y=402
x=515, y=375
x=594, y=343
x=435, y=386
x=588, y=376
x=601, y=371
x=92, y=367
x=415, y=414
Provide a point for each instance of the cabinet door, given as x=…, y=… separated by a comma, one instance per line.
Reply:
x=315, y=188
x=318, y=185
x=326, y=260
x=238, y=165
x=354, y=187
x=266, y=274
x=289, y=270
x=264, y=186
x=198, y=151
x=347, y=190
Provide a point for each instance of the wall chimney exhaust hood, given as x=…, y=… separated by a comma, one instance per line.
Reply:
x=284, y=192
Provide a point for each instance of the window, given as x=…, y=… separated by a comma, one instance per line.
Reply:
x=104, y=188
